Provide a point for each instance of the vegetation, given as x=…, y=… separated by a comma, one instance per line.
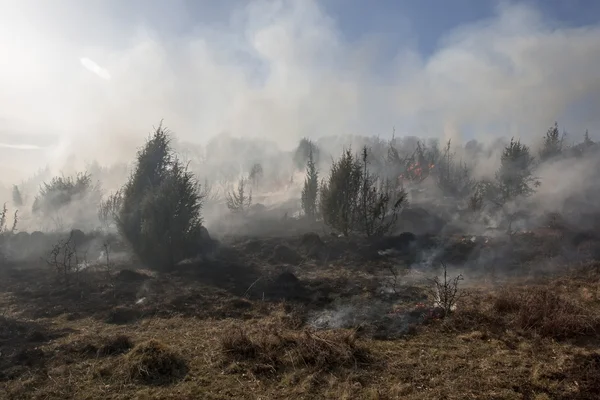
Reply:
x=553, y=144
x=339, y=194
x=109, y=209
x=160, y=215
x=17, y=197
x=310, y=191
x=305, y=148
x=239, y=201
x=305, y=314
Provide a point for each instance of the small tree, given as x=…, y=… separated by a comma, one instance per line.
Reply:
x=378, y=209
x=239, y=201
x=339, y=193
x=160, y=214
x=311, y=188
x=514, y=179
x=453, y=179
x=515, y=175
x=553, y=144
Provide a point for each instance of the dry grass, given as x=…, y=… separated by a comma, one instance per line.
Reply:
x=276, y=351
x=153, y=362
x=499, y=344
x=548, y=313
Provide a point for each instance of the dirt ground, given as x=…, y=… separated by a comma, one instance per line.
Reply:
x=310, y=317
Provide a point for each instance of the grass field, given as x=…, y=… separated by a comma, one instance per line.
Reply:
x=269, y=319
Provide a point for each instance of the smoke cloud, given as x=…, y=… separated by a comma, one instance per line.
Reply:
x=278, y=70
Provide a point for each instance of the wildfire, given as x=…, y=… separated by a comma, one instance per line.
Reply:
x=415, y=171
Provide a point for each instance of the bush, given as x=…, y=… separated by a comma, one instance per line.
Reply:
x=352, y=199
x=109, y=208
x=339, y=194
x=74, y=195
x=160, y=213
x=239, y=201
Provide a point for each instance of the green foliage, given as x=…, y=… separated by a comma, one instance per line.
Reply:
x=378, y=207
x=310, y=190
x=515, y=176
x=160, y=215
x=339, y=193
x=239, y=201
x=352, y=199
x=553, y=144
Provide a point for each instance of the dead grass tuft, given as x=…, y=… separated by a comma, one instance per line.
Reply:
x=280, y=350
x=547, y=313
x=115, y=345
x=154, y=363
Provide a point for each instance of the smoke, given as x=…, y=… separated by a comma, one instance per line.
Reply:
x=280, y=70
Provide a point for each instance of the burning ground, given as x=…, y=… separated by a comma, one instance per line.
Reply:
x=312, y=316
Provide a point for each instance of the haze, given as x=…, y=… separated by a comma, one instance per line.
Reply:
x=92, y=78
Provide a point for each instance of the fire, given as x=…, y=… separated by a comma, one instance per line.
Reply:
x=415, y=171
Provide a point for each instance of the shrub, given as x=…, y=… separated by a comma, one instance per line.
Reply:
x=378, y=204
x=553, y=144
x=109, y=208
x=352, y=199
x=515, y=176
x=239, y=201
x=446, y=291
x=160, y=213
x=339, y=193
x=75, y=195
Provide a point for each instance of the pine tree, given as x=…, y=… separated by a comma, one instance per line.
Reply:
x=553, y=144
x=160, y=214
x=239, y=201
x=515, y=175
x=311, y=188
x=339, y=194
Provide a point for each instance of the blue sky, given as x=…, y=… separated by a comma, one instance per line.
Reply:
x=426, y=21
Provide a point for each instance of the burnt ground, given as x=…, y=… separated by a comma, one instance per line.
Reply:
x=313, y=316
